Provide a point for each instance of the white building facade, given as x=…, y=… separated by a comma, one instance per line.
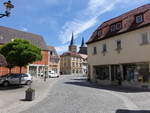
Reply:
x=118, y=51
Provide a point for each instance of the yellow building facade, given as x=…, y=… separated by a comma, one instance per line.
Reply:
x=72, y=62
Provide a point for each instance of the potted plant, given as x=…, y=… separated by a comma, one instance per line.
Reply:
x=30, y=94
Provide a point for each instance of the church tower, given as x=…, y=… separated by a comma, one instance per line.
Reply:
x=83, y=48
x=72, y=46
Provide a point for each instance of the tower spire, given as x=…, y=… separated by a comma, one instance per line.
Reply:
x=72, y=46
x=72, y=40
x=82, y=43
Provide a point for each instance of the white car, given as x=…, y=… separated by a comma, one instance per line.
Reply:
x=52, y=74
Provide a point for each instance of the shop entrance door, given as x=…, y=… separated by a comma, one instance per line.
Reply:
x=114, y=72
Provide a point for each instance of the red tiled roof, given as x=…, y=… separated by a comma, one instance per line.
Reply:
x=84, y=56
x=128, y=24
x=71, y=54
x=51, y=47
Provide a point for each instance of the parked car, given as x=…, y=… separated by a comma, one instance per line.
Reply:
x=52, y=74
x=13, y=79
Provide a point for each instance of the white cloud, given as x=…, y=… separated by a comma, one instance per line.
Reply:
x=24, y=29
x=61, y=49
x=89, y=18
x=77, y=26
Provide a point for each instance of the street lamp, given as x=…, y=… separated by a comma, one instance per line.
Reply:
x=8, y=7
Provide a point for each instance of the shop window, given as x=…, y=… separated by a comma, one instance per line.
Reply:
x=102, y=72
x=144, y=37
x=139, y=18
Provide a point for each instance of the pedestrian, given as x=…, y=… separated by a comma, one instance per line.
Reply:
x=45, y=77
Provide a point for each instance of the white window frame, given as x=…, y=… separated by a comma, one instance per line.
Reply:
x=139, y=18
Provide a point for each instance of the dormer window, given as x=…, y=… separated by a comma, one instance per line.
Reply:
x=113, y=28
x=118, y=26
x=139, y=18
x=99, y=33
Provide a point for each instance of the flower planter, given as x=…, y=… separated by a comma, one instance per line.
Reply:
x=30, y=94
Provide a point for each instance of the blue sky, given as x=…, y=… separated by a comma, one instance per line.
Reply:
x=55, y=20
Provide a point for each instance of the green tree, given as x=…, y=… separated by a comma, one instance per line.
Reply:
x=20, y=53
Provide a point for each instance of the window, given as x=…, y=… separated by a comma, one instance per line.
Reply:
x=139, y=18
x=51, y=53
x=112, y=28
x=99, y=33
x=118, y=26
x=144, y=38
x=94, y=50
x=118, y=44
x=102, y=72
x=73, y=64
x=80, y=65
x=104, y=48
x=24, y=75
x=1, y=37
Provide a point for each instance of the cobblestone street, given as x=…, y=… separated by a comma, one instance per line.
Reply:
x=73, y=94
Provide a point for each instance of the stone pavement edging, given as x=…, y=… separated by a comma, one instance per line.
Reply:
x=19, y=105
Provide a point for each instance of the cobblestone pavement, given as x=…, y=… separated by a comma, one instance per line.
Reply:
x=12, y=98
x=73, y=94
